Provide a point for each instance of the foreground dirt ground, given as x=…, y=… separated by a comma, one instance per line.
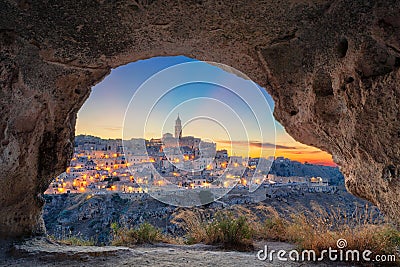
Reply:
x=41, y=252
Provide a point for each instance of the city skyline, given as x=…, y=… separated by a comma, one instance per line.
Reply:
x=103, y=113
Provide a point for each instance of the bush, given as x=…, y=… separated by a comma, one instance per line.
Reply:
x=147, y=233
x=144, y=234
x=222, y=229
x=230, y=232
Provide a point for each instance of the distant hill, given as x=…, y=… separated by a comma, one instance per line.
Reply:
x=286, y=167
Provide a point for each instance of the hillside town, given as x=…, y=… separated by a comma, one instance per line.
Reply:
x=101, y=166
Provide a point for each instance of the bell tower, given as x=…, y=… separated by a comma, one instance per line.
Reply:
x=178, y=128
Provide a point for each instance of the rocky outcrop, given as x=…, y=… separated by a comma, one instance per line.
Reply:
x=331, y=67
x=287, y=168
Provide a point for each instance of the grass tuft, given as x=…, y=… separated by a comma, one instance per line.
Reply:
x=224, y=229
x=230, y=232
x=145, y=233
x=73, y=241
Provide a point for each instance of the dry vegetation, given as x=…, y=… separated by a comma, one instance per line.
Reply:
x=230, y=232
x=317, y=229
x=320, y=230
x=143, y=234
x=237, y=227
x=223, y=229
x=72, y=240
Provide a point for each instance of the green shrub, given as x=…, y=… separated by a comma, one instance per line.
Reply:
x=221, y=229
x=147, y=233
x=144, y=234
x=231, y=232
x=114, y=227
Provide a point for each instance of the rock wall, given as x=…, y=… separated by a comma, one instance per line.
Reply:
x=332, y=68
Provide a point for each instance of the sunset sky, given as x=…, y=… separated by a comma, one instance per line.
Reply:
x=215, y=105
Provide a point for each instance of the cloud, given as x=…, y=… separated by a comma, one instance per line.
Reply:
x=113, y=128
x=303, y=152
x=255, y=144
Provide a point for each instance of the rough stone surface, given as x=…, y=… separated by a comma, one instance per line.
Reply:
x=47, y=250
x=332, y=68
x=41, y=252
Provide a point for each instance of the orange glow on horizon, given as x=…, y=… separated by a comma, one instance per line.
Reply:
x=295, y=151
x=314, y=156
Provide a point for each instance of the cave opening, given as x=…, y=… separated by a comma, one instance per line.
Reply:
x=100, y=165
